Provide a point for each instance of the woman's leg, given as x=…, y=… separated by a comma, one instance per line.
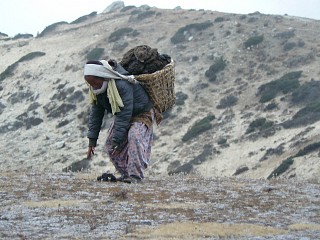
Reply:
x=134, y=156
x=120, y=160
x=140, y=139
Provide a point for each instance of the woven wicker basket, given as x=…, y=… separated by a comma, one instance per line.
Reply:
x=160, y=87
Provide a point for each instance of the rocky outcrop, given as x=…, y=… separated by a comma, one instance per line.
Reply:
x=114, y=6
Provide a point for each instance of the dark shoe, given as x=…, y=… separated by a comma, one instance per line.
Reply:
x=132, y=179
x=122, y=178
x=107, y=177
x=127, y=179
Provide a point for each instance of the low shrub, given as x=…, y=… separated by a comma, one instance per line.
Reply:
x=310, y=148
x=301, y=43
x=180, y=98
x=313, y=107
x=273, y=151
x=284, y=166
x=50, y=28
x=219, y=19
x=179, y=36
x=288, y=46
x=218, y=66
x=95, y=54
x=222, y=141
x=286, y=34
x=145, y=14
x=120, y=45
x=202, y=157
x=305, y=116
x=198, y=128
x=120, y=33
x=19, y=96
x=84, y=18
x=271, y=106
x=135, y=12
x=253, y=41
x=259, y=124
x=287, y=83
x=31, y=56
x=306, y=93
x=3, y=34
x=19, y=36
x=9, y=71
x=227, y=101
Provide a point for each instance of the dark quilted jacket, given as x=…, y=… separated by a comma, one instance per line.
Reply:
x=135, y=100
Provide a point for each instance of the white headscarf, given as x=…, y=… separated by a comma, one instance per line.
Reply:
x=106, y=71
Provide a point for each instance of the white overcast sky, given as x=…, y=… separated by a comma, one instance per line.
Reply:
x=32, y=16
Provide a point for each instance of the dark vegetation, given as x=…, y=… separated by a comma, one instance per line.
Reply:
x=227, y=101
x=253, y=41
x=273, y=151
x=289, y=45
x=188, y=167
x=198, y=128
x=271, y=106
x=84, y=18
x=3, y=34
x=141, y=15
x=287, y=83
x=95, y=54
x=215, y=68
x=260, y=124
x=305, y=116
x=308, y=149
x=219, y=19
x=306, y=93
x=24, y=36
x=59, y=111
x=180, y=98
x=223, y=141
x=9, y=71
x=180, y=35
x=51, y=28
x=284, y=166
x=20, y=96
x=120, y=33
x=286, y=34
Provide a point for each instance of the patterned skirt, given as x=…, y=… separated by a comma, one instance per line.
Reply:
x=134, y=156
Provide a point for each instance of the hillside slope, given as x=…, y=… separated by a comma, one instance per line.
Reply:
x=253, y=79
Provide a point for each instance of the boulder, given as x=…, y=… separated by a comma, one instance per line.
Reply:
x=114, y=6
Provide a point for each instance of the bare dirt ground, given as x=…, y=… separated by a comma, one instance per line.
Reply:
x=77, y=206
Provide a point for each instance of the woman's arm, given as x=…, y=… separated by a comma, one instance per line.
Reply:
x=95, y=122
x=122, y=118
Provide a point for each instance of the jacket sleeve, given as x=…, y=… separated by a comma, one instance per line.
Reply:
x=122, y=118
x=95, y=120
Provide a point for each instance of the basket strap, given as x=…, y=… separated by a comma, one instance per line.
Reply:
x=131, y=79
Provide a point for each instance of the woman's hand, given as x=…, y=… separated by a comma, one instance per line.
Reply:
x=90, y=152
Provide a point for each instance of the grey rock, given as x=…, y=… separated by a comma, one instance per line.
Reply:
x=114, y=6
